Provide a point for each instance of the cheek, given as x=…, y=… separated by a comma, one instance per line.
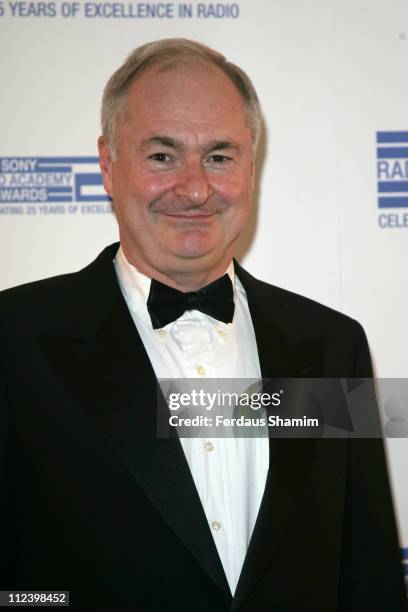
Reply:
x=146, y=189
x=152, y=187
x=133, y=186
x=233, y=189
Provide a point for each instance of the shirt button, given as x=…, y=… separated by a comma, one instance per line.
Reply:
x=216, y=525
x=209, y=446
x=200, y=370
x=162, y=332
x=222, y=333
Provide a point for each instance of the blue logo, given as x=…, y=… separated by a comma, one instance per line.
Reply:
x=392, y=178
x=392, y=169
x=49, y=185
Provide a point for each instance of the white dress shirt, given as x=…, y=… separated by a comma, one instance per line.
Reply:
x=229, y=473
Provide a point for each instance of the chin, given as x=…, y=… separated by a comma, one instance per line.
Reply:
x=193, y=247
x=192, y=254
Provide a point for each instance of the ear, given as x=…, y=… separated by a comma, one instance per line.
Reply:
x=105, y=163
x=253, y=168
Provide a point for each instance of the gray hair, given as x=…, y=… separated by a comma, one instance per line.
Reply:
x=166, y=54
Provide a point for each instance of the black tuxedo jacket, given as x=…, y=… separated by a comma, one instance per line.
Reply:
x=93, y=502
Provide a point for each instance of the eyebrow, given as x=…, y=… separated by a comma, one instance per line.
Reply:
x=174, y=143
x=224, y=145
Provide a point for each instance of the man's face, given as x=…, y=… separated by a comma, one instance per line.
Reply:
x=182, y=178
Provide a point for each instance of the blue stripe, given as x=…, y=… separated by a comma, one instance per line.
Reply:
x=93, y=198
x=393, y=202
x=64, y=160
x=56, y=160
x=42, y=169
x=40, y=203
x=404, y=552
x=392, y=152
x=383, y=137
x=405, y=567
x=393, y=186
x=53, y=169
x=55, y=199
x=59, y=189
x=49, y=160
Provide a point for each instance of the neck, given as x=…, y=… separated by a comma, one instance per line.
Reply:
x=182, y=280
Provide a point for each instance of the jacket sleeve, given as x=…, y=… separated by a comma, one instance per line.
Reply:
x=371, y=574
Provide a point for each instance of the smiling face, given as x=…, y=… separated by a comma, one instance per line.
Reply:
x=182, y=177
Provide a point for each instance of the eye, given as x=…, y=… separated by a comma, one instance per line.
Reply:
x=217, y=159
x=160, y=157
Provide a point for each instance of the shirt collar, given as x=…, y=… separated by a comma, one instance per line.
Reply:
x=135, y=286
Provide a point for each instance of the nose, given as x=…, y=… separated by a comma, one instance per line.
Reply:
x=192, y=185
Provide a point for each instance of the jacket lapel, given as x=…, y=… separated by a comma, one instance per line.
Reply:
x=290, y=460
x=284, y=348
x=101, y=357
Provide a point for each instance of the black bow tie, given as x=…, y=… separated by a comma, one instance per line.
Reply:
x=166, y=304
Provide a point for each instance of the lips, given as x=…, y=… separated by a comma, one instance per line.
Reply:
x=189, y=215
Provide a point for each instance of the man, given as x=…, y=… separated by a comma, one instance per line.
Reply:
x=95, y=502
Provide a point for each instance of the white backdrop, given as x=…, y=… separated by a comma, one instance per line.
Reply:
x=330, y=75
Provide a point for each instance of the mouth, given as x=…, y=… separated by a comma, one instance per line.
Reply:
x=192, y=216
x=189, y=215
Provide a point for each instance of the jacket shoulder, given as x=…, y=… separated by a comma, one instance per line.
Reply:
x=49, y=297
x=298, y=311
x=36, y=300
x=307, y=309
x=303, y=321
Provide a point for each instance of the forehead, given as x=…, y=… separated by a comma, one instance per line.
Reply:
x=199, y=97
